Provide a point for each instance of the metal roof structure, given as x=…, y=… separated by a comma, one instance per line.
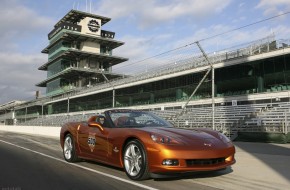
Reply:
x=71, y=36
x=76, y=72
x=74, y=16
x=73, y=54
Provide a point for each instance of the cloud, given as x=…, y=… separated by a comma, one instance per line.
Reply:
x=273, y=7
x=136, y=49
x=20, y=31
x=234, y=38
x=139, y=47
x=154, y=12
x=19, y=22
x=19, y=75
x=267, y=3
x=241, y=5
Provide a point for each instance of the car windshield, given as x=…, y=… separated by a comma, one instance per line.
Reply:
x=128, y=118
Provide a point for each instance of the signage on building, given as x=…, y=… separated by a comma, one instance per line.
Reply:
x=107, y=34
x=65, y=25
x=93, y=25
x=234, y=102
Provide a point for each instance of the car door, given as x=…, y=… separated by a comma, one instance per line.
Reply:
x=82, y=139
x=93, y=142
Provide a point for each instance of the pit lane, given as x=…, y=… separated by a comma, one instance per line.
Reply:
x=36, y=162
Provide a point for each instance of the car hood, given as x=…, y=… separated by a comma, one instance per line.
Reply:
x=186, y=137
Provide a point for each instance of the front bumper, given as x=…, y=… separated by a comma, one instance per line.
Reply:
x=189, y=160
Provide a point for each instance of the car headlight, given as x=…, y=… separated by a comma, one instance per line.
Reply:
x=224, y=138
x=162, y=139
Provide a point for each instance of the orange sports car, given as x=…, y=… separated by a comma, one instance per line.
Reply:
x=143, y=144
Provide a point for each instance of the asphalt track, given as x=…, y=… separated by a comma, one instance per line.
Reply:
x=36, y=162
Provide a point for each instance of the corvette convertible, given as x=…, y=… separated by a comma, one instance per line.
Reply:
x=144, y=144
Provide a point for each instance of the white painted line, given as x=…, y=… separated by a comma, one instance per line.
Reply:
x=83, y=167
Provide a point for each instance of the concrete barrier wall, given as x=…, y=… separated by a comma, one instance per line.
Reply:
x=35, y=130
x=263, y=137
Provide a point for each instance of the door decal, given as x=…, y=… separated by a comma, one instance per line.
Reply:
x=92, y=141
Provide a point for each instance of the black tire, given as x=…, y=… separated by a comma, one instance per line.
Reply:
x=135, y=161
x=69, y=150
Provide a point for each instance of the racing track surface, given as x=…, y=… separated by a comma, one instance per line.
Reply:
x=36, y=162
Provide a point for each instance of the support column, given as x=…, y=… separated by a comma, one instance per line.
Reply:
x=25, y=113
x=260, y=79
x=179, y=94
x=213, y=95
x=152, y=98
x=130, y=101
x=260, y=82
x=78, y=62
x=13, y=117
x=49, y=109
x=67, y=104
x=113, y=98
x=42, y=114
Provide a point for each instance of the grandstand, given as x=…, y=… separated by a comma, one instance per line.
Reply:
x=251, y=84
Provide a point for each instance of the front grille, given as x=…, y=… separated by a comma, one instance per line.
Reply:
x=205, y=162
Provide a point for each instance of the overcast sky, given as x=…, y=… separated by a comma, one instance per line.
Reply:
x=148, y=27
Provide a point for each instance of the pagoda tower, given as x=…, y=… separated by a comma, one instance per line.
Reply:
x=79, y=53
